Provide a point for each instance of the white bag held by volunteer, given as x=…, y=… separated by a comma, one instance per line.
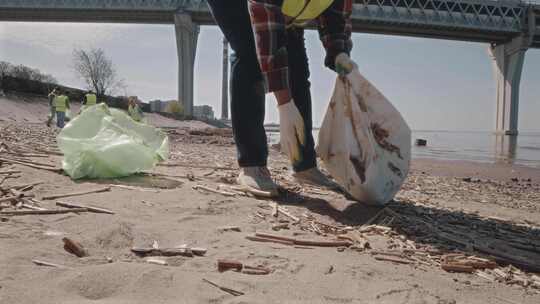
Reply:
x=364, y=141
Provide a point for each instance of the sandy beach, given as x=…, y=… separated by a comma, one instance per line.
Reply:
x=485, y=213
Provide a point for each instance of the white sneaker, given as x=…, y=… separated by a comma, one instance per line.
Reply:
x=315, y=177
x=258, y=181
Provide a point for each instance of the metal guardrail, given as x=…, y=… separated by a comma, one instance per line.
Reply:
x=496, y=16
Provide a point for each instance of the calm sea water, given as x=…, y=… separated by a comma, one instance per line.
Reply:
x=473, y=146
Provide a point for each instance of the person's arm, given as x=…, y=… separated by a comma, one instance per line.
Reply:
x=335, y=31
x=67, y=103
x=270, y=39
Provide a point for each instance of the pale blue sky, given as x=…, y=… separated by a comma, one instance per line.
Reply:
x=436, y=84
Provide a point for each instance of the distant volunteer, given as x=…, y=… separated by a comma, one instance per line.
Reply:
x=267, y=37
x=134, y=110
x=61, y=104
x=90, y=99
x=52, y=110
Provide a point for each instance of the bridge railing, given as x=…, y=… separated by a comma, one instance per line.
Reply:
x=497, y=16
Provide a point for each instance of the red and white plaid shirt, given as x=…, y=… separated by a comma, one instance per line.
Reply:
x=269, y=27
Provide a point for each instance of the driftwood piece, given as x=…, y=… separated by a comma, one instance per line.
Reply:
x=43, y=212
x=22, y=187
x=392, y=259
x=233, y=292
x=253, y=191
x=224, y=265
x=198, y=251
x=157, y=261
x=56, y=170
x=162, y=251
x=90, y=209
x=455, y=267
x=196, y=166
x=43, y=263
x=229, y=228
x=27, y=161
x=74, y=247
x=10, y=172
x=268, y=240
x=275, y=210
x=8, y=199
x=287, y=214
x=52, y=197
x=304, y=242
x=201, y=187
x=278, y=227
x=28, y=204
x=256, y=270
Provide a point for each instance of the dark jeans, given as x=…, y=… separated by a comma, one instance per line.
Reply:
x=247, y=90
x=60, y=119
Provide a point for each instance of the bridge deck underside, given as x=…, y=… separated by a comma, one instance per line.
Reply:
x=365, y=25
x=473, y=20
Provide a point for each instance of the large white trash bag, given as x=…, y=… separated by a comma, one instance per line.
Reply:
x=364, y=141
x=107, y=143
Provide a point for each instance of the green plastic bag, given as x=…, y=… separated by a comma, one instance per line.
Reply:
x=107, y=143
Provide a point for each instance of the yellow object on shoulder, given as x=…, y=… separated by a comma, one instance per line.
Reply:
x=302, y=11
x=61, y=103
x=91, y=99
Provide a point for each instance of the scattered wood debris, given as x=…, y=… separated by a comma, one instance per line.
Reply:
x=74, y=247
x=177, y=251
x=205, y=188
x=43, y=212
x=233, y=292
x=57, y=196
x=229, y=228
x=225, y=265
x=266, y=237
x=156, y=261
x=43, y=263
x=89, y=208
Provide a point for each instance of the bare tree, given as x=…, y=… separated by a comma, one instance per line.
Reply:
x=96, y=69
x=5, y=68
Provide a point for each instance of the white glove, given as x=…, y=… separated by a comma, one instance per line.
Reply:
x=344, y=65
x=292, y=132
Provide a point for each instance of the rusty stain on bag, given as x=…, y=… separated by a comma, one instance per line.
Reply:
x=395, y=169
x=381, y=135
x=362, y=103
x=360, y=167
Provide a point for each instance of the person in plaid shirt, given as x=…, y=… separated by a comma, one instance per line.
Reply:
x=267, y=37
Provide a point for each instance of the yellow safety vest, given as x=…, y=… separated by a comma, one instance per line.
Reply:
x=61, y=103
x=91, y=99
x=135, y=113
x=302, y=11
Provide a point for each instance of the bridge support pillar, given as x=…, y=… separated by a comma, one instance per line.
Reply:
x=187, y=34
x=225, y=82
x=507, y=65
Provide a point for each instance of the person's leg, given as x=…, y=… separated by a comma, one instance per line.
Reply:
x=300, y=92
x=60, y=117
x=52, y=112
x=247, y=91
x=247, y=97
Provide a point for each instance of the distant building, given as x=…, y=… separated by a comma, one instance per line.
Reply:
x=158, y=106
x=203, y=112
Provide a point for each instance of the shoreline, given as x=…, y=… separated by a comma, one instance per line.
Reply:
x=475, y=169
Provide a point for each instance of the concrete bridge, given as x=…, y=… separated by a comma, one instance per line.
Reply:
x=509, y=26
